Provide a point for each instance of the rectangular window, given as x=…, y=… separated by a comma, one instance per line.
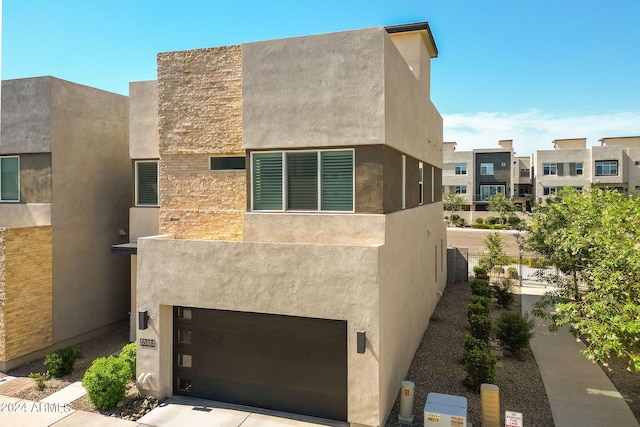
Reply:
x=637, y=162
x=10, y=179
x=486, y=168
x=579, y=168
x=487, y=191
x=606, y=167
x=549, y=168
x=421, y=182
x=147, y=183
x=460, y=189
x=404, y=181
x=227, y=163
x=547, y=191
x=578, y=188
x=303, y=180
x=461, y=168
x=524, y=173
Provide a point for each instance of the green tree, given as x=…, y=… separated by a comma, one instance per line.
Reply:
x=452, y=202
x=503, y=206
x=494, y=256
x=594, y=239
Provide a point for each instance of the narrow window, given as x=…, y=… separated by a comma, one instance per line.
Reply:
x=336, y=180
x=184, y=337
x=302, y=181
x=184, y=384
x=433, y=184
x=184, y=313
x=579, y=168
x=184, y=360
x=404, y=181
x=147, y=183
x=227, y=163
x=10, y=179
x=421, y=182
x=267, y=181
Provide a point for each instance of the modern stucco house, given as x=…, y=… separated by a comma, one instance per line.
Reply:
x=301, y=247
x=65, y=190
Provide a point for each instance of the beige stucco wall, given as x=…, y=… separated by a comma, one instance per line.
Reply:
x=25, y=291
x=316, y=91
x=609, y=152
x=561, y=156
x=91, y=193
x=24, y=215
x=329, y=229
x=143, y=221
x=322, y=281
x=449, y=177
x=25, y=116
x=570, y=144
x=412, y=278
x=143, y=120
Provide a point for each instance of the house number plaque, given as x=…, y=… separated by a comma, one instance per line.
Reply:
x=148, y=343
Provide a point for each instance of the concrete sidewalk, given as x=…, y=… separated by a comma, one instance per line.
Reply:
x=580, y=393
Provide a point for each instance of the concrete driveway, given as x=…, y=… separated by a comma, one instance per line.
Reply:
x=180, y=411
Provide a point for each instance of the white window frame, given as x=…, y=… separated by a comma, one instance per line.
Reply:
x=580, y=170
x=460, y=168
x=486, y=169
x=284, y=180
x=550, y=169
x=489, y=186
x=421, y=182
x=607, y=164
x=18, y=199
x=137, y=162
x=460, y=189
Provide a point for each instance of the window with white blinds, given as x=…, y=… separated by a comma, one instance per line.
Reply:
x=303, y=181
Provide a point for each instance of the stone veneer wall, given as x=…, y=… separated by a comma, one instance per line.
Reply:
x=200, y=115
x=25, y=290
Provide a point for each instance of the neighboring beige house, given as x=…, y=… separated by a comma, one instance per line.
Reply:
x=613, y=164
x=302, y=246
x=64, y=194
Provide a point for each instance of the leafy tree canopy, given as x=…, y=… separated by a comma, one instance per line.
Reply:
x=594, y=238
x=499, y=203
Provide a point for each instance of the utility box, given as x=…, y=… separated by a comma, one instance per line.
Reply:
x=445, y=410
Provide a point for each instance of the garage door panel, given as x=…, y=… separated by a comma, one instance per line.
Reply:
x=285, y=363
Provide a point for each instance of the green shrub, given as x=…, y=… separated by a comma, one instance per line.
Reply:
x=514, y=221
x=500, y=227
x=512, y=273
x=480, y=326
x=491, y=220
x=479, y=220
x=476, y=309
x=106, y=381
x=128, y=354
x=481, y=288
x=480, y=271
x=458, y=221
x=514, y=330
x=473, y=343
x=502, y=288
x=60, y=362
x=40, y=379
x=481, y=226
x=480, y=368
x=477, y=299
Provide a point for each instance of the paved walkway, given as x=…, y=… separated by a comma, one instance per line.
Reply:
x=580, y=393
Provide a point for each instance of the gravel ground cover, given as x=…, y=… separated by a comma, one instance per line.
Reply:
x=437, y=367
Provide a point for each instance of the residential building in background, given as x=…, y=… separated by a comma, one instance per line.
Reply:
x=64, y=194
x=613, y=164
x=301, y=245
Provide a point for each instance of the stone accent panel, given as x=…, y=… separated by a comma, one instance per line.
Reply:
x=200, y=101
x=25, y=290
x=197, y=203
x=200, y=115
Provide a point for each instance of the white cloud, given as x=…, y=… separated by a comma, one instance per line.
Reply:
x=535, y=130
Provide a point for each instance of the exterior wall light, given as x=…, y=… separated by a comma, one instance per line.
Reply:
x=143, y=320
x=362, y=341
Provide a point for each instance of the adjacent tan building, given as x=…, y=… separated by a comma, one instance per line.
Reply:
x=64, y=194
x=301, y=245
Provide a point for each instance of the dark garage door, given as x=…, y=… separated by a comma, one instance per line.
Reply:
x=285, y=363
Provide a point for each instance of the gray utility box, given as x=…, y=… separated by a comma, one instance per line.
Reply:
x=445, y=410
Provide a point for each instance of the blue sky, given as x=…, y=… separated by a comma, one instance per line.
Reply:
x=527, y=70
